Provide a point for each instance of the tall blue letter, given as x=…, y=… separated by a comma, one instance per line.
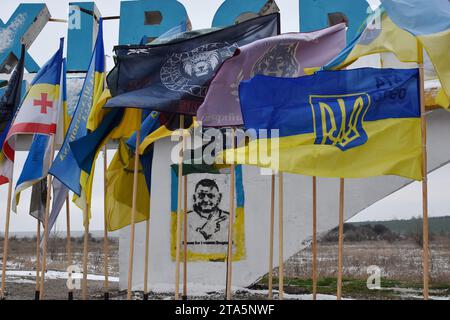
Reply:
x=233, y=10
x=145, y=18
x=23, y=27
x=318, y=14
x=83, y=27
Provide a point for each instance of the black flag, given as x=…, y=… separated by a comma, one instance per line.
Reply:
x=10, y=101
x=174, y=77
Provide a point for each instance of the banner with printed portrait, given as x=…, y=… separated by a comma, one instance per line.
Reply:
x=208, y=216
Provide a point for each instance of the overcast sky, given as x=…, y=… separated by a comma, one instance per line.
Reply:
x=403, y=204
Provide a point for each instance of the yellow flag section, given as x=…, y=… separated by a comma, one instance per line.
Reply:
x=379, y=34
x=170, y=123
x=399, y=31
x=131, y=120
x=437, y=47
x=429, y=23
x=381, y=155
x=87, y=180
x=119, y=179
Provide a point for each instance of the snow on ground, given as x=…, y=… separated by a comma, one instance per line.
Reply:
x=57, y=275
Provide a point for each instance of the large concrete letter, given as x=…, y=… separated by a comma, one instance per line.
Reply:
x=318, y=14
x=149, y=18
x=83, y=28
x=232, y=11
x=23, y=27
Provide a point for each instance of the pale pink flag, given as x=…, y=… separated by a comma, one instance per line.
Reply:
x=286, y=55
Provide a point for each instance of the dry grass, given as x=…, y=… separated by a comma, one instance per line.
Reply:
x=398, y=260
x=22, y=254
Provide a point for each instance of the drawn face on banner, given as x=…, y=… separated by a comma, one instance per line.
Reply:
x=208, y=217
x=207, y=222
x=207, y=197
x=279, y=61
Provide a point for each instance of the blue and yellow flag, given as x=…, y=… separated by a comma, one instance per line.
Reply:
x=119, y=180
x=120, y=176
x=349, y=124
x=429, y=21
x=65, y=167
x=378, y=34
x=398, y=26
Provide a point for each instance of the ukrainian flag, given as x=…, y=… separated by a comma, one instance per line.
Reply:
x=95, y=89
x=378, y=34
x=429, y=22
x=119, y=177
x=349, y=124
x=398, y=26
x=65, y=167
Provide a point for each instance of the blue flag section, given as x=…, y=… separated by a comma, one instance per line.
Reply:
x=353, y=124
x=174, y=77
x=34, y=168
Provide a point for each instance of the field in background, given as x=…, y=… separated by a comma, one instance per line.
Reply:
x=397, y=253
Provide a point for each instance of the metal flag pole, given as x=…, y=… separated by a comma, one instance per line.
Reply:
x=68, y=242
x=271, y=235
x=280, y=237
x=133, y=215
x=47, y=212
x=314, y=240
x=6, y=240
x=105, y=225
x=179, y=211
x=231, y=222
x=426, y=253
x=341, y=238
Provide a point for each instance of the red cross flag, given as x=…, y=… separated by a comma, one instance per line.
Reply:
x=38, y=113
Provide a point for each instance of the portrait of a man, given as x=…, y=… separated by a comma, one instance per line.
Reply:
x=208, y=217
x=207, y=222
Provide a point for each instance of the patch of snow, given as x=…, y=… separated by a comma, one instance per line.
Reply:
x=59, y=275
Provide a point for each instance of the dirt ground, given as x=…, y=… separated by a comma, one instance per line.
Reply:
x=400, y=263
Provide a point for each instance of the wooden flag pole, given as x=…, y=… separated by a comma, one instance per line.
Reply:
x=133, y=215
x=84, y=290
x=426, y=253
x=105, y=225
x=69, y=242
x=6, y=240
x=38, y=260
x=147, y=254
x=231, y=222
x=280, y=238
x=179, y=211
x=47, y=213
x=185, y=247
x=314, y=240
x=341, y=238
x=271, y=235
